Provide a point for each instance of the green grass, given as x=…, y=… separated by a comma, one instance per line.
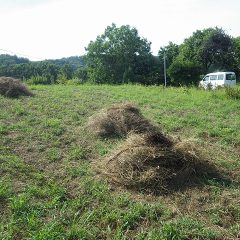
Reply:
x=47, y=187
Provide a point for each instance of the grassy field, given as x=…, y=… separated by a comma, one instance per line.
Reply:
x=47, y=187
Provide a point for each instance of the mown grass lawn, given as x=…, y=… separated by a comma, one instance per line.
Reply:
x=47, y=187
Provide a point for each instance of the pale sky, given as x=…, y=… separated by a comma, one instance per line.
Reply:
x=50, y=29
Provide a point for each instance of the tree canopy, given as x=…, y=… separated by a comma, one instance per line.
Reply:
x=120, y=55
x=115, y=56
x=6, y=59
x=46, y=71
x=205, y=51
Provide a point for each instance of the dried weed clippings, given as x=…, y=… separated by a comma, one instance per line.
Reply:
x=11, y=87
x=154, y=163
x=119, y=120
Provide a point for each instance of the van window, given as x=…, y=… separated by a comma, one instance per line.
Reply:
x=230, y=76
x=213, y=77
x=206, y=78
x=220, y=76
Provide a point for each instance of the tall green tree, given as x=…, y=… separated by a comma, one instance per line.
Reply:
x=212, y=48
x=205, y=51
x=170, y=52
x=217, y=51
x=66, y=71
x=115, y=55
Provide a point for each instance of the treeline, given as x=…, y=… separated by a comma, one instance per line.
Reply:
x=42, y=72
x=120, y=55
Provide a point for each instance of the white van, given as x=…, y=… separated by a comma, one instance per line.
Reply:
x=213, y=80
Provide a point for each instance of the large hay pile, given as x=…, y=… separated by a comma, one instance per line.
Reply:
x=119, y=120
x=152, y=162
x=11, y=87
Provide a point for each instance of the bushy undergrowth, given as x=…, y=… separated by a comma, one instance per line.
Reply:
x=233, y=92
x=35, y=80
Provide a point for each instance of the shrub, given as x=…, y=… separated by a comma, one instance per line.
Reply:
x=61, y=79
x=184, y=72
x=38, y=80
x=74, y=81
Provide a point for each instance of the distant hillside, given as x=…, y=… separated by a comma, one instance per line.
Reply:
x=49, y=70
x=6, y=59
x=74, y=61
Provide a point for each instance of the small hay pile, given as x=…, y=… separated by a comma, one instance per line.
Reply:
x=153, y=163
x=11, y=87
x=119, y=120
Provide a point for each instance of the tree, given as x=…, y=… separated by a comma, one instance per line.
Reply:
x=211, y=48
x=217, y=51
x=205, y=51
x=67, y=71
x=49, y=71
x=170, y=51
x=115, y=55
x=81, y=74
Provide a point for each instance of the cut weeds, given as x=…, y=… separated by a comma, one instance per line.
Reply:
x=118, y=120
x=155, y=163
x=11, y=87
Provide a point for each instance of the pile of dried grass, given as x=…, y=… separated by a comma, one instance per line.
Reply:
x=11, y=87
x=119, y=120
x=154, y=163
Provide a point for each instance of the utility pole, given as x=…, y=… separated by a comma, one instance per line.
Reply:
x=165, y=72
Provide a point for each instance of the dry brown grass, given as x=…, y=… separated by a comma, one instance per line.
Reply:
x=153, y=162
x=11, y=87
x=119, y=120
